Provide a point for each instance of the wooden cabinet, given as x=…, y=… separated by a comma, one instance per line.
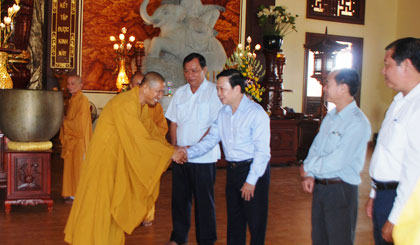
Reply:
x=28, y=178
x=291, y=139
x=284, y=141
x=308, y=129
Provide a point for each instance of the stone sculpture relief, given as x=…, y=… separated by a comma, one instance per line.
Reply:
x=184, y=28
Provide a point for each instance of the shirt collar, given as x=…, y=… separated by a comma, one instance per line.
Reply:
x=346, y=111
x=202, y=86
x=243, y=105
x=413, y=94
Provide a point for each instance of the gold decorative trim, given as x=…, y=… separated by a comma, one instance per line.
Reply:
x=29, y=146
x=63, y=34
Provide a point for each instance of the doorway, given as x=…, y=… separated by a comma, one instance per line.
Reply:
x=350, y=57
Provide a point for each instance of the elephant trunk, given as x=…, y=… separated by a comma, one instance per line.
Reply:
x=144, y=15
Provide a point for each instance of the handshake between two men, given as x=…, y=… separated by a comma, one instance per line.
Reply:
x=180, y=155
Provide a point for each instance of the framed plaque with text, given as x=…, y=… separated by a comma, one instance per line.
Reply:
x=63, y=34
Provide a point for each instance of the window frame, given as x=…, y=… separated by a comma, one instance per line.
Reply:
x=329, y=14
x=357, y=64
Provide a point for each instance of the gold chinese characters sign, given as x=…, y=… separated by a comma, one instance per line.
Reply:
x=63, y=34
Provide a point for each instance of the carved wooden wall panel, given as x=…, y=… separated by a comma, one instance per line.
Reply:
x=348, y=11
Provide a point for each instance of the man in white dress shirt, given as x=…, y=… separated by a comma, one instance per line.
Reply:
x=192, y=110
x=395, y=164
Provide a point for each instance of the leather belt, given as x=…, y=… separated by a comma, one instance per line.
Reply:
x=232, y=164
x=389, y=185
x=328, y=181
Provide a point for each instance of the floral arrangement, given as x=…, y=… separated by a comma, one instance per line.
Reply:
x=245, y=61
x=5, y=26
x=276, y=21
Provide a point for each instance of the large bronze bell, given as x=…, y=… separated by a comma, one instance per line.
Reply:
x=30, y=115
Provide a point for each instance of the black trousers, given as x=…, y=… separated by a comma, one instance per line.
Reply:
x=334, y=214
x=382, y=205
x=193, y=180
x=241, y=212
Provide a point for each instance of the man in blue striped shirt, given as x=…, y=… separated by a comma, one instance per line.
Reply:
x=244, y=129
x=332, y=168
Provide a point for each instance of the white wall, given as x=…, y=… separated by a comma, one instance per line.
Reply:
x=99, y=98
x=408, y=18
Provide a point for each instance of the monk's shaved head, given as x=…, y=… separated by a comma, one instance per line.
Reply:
x=76, y=79
x=74, y=84
x=136, y=79
x=151, y=89
x=152, y=79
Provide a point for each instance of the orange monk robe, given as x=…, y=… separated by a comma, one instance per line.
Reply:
x=407, y=229
x=75, y=135
x=156, y=113
x=120, y=177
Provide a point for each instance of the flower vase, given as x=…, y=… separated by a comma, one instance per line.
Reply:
x=5, y=79
x=273, y=43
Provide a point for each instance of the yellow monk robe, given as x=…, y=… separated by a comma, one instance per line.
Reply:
x=75, y=135
x=407, y=229
x=120, y=177
x=156, y=113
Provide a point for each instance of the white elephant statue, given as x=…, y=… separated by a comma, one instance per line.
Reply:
x=180, y=36
x=201, y=18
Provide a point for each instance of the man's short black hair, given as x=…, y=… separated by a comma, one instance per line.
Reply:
x=235, y=78
x=192, y=56
x=406, y=48
x=349, y=77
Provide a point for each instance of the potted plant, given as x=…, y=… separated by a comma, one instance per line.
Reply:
x=276, y=23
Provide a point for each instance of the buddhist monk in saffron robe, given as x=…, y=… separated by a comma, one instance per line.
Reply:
x=407, y=229
x=157, y=116
x=156, y=111
x=120, y=177
x=75, y=135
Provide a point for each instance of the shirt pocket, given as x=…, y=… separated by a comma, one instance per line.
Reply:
x=333, y=141
x=182, y=112
x=203, y=113
x=395, y=138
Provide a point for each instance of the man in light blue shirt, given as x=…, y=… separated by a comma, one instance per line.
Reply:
x=244, y=129
x=192, y=110
x=332, y=168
